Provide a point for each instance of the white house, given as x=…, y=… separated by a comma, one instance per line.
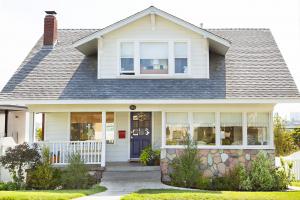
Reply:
x=151, y=79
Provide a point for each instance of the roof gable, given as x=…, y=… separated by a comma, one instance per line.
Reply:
x=217, y=43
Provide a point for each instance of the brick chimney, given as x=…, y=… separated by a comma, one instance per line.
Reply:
x=50, y=28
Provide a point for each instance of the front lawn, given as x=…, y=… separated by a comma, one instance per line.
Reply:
x=210, y=195
x=296, y=183
x=48, y=194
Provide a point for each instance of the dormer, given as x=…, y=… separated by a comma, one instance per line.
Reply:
x=152, y=44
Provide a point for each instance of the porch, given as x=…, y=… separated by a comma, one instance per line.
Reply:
x=114, y=133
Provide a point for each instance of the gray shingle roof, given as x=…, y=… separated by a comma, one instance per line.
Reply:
x=253, y=68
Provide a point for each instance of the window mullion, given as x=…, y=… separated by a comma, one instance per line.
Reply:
x=218, y=129
x=191, y=125
x=137, y=58
x=171, y=58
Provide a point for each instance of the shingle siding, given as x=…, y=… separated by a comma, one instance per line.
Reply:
x=252, y=68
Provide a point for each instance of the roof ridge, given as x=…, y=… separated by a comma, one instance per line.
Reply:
x=67, y=29
x=237, y=29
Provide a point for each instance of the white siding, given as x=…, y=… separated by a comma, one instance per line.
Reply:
x=119, y=151
x=57, y=127
x=16, y=126
x=142, y=30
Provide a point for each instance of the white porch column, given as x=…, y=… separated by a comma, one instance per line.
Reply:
x=163, y=131
x=29, y=127
x=103, y=139
x=271, y=131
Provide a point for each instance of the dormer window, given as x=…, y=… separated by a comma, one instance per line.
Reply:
x=180, y=55
x=154, y=58
x=127, y=58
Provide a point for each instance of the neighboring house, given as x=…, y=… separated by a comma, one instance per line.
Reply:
x=151, y=79
x=294, y=121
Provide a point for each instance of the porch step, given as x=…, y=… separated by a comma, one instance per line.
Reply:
x=131, y=176
x=130, y=167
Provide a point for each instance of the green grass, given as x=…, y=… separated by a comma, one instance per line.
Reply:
x=296, y=183
x=48, y=194
x=210, y=195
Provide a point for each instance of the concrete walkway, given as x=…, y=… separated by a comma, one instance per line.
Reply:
x=125, y=181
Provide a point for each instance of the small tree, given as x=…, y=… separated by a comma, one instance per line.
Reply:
x=18, y=159
x=296, y=136
x=284, y=142
x=43, y=176
x=186, y=166
x=76, y=175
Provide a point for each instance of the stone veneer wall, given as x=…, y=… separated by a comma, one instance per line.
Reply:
x=214, y=162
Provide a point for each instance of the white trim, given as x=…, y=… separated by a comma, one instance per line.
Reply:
x=129, y=134
x=152, y=129
x=218, y=128
x=156, y=101
x=163, y=131
x=271, y=130
x=244, y=129
x=69, y=126
x=149, y=11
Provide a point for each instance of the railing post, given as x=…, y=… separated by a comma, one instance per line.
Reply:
x=103, y=139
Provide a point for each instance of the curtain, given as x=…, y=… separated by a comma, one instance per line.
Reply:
x=177, y=118
x=127, y=50
x=204, y=119
x=258, y=119
x=231, y=119
x=154, y=50
x=180, y=50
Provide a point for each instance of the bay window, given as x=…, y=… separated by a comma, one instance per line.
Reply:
x=177, y=127
x=257, y=128
x=127, y=58
x=154, y=58
x=204, y=128
x=180, y=55
x=231, y=129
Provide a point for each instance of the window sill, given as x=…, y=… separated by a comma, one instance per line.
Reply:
x=221, y=147
x=157, y=76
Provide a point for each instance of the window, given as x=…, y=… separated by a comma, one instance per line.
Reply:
x=176, y=128
x=231, y=129
x=180, y=54
x=88, y=126
x=127, y=58
x=204, y=128
x=257, y=128
x=110, y=128
x=154, y=58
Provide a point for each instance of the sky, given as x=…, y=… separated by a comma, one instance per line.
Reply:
x=21, y=23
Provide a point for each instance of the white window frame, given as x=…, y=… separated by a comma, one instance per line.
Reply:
x=171, y=59
x=218, y=145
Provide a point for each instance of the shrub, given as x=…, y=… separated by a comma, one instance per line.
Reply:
x=284, y=175
x=149, y=156
x=262, y=173
x=283, y=139
x=17, y=159
x=186, y=166
x=43, y=176
x=203, y=183
x=76, y=175
x=296, y=136
x=10, y=186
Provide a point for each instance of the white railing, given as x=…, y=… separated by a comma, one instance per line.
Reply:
x=89, y=151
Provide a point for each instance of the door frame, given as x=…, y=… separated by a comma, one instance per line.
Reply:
x=129, y=132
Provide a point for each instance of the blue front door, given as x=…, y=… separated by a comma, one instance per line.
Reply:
x=140, y=132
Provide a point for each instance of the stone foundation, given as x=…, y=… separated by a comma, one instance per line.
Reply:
x=214, y=162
